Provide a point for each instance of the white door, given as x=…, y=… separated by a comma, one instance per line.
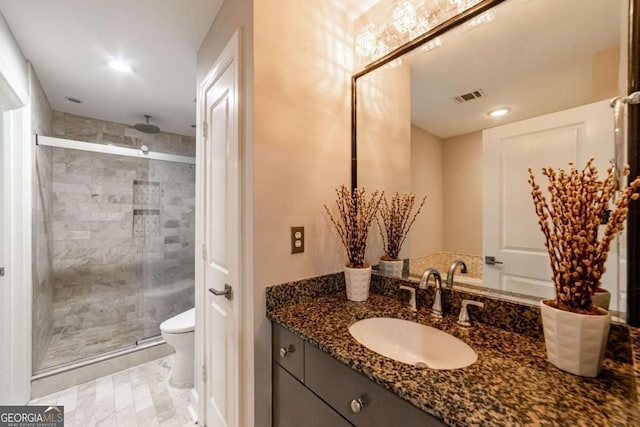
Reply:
x=510, y=224
x=221, y=213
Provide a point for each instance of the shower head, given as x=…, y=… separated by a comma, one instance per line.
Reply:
x=146, y=127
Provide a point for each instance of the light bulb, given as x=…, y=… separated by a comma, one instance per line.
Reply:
x=120, y=66
x=499, y=112
x=404, y=17
x=366, y=41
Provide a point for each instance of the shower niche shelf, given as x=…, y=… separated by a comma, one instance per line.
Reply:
x=146, y=222
x=146, y=193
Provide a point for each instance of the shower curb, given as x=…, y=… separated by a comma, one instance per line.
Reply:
x=75, y=373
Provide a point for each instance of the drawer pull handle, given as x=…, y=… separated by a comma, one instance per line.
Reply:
x=284, y=351
x=356, y=405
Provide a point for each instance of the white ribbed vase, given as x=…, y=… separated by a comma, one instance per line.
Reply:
x=575, y=342
x=357, y=281
x=602, y=299
x=391, y=268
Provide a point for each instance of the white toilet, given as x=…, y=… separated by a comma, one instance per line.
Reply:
x=179, y=332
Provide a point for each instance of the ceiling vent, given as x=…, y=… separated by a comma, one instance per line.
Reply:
x=478, y=93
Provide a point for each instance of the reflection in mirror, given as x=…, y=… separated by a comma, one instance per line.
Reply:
x=424, y=125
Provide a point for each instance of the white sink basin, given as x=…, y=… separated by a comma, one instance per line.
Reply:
x=413, y=343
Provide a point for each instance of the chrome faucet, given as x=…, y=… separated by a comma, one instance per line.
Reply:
x=436, y=308
x=463, y=318
x=452, y=271
x=412, y=300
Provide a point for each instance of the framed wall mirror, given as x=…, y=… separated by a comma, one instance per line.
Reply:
x=426, y=119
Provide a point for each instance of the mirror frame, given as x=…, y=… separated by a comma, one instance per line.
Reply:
x=633, y=128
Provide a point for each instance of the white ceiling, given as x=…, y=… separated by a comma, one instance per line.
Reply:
x=535, y=57
x=70, y=43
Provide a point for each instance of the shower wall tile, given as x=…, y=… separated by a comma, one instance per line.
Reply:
x=104, y=272
x=86, y=129
x=43, y=293
x=42, y=300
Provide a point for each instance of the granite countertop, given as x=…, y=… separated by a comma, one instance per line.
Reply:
x=511, y=384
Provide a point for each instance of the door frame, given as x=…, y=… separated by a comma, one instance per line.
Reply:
x=17, y=153
x=242, y=292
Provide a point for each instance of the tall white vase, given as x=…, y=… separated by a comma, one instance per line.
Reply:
x=602, y=299
x=357, y=281
x=391, y=268
x=575, y=342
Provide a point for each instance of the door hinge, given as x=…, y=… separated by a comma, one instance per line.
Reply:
x=1, y=271
x=204, y=252
x=204, y=129
x=204, y=373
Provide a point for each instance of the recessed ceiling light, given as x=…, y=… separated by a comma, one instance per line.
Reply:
x=499, y=112
x=120, y=66
x=72, y=99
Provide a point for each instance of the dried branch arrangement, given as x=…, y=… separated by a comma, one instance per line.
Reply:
x=396, y=222
x=570, y=224
x=355, y=215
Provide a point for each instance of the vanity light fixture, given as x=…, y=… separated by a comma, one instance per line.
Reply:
x=406, y=20
x=404, y=17
x=499, y=112
x=366, y=41
x=120, y=66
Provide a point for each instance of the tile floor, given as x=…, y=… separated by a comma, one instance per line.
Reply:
x=137, y=397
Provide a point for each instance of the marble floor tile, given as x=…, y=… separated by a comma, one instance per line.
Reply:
x=138, y=397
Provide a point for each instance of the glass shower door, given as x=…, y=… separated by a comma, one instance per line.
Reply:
x=87, y=271
x=164, y=226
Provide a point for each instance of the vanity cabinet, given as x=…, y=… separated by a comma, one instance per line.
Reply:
x=294, y=405
x=328, y=389
x=288, y=351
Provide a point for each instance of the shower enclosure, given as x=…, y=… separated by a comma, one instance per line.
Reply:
x=114, y=232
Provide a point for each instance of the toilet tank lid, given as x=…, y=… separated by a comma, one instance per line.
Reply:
x=180, y=323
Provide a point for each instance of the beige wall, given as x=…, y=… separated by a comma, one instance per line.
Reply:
x=604, y=71
x=301, y=147
x=384, y=139
x=427, y=179
x=462, y=177
x=302, y=135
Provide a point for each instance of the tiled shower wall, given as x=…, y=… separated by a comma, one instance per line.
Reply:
x=42, y=299
x=78, y=128
x=114, y=283
x=122, y=239
x=43, y=256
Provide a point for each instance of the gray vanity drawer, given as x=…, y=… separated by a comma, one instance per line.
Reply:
x=292, y=358
x=294, y=405
x=339, y=385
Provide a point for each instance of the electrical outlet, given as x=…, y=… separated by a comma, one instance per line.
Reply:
x=297, y=240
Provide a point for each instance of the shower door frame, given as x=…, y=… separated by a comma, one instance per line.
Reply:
x=50, y=141
x=141, y=342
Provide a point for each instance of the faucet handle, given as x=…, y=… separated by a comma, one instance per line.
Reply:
x=463, y=318
x=412, y=300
